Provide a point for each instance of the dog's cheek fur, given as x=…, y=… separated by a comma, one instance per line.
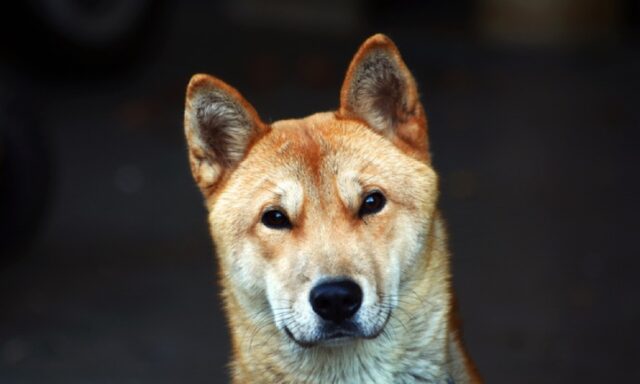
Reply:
x=240, y=261
x=289, y=304
x=238, y=249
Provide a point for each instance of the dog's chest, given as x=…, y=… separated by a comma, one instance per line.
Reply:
x=407, y=367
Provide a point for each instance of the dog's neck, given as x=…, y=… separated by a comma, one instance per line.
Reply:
x=417, y=344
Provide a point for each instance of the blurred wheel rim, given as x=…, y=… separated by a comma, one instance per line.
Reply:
x=91, y=22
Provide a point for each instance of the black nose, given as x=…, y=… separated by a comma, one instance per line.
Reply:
x=336, y=300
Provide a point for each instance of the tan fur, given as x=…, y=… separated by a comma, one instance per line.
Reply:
x=318, y=170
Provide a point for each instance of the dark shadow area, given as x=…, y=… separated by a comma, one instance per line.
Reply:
x=107, y=272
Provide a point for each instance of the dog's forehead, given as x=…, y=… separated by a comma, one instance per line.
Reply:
x=322, y=157
x=322, y=148
x=306, y=151
x=315, y=120
x=321, y=141
x=304, y=136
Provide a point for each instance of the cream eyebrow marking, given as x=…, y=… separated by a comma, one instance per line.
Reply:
x=293, y=196
x=283, y=148
x=349, y=189
x=288, y=194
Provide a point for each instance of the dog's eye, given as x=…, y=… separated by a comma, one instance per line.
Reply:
x=372, y=203
x=276, y=219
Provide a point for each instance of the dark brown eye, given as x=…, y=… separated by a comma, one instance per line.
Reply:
x=372, y=203
x=276, y=219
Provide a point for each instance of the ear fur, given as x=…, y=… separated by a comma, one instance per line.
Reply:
x=379, y=90
x=220, y=126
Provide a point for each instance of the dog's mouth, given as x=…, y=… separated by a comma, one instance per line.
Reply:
x=338, y=334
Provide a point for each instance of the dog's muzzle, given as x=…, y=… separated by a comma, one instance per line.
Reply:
x=337, y=304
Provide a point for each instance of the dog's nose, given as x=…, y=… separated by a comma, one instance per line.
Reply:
x=336, y=300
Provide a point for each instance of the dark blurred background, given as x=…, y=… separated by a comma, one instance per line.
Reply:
x=107, y=273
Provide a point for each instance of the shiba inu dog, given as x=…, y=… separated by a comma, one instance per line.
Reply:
x=332, y=253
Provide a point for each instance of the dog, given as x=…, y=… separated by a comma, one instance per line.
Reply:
x=332, y=253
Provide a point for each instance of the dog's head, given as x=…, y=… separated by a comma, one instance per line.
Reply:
x=318, y=221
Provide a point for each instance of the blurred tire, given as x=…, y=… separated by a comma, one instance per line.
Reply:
x=81, y=37
x=92, y=23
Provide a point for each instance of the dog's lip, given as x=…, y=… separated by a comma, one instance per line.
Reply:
x=338, y=339
x=303, y=344
x=381, y=329
x=338, y=335
x=335, y=337
x=331, y=337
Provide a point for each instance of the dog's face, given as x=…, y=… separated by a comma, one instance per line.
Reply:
x=318, y=221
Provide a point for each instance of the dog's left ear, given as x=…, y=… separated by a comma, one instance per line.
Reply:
x=379, y=90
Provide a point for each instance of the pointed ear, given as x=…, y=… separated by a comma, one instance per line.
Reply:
x=379, y=90
x=220, y=126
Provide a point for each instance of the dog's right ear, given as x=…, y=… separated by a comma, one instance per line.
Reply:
x=220, y=126
x=379, y=90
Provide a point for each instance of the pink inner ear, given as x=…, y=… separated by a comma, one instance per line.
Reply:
x=223, y=125
x=220, y=126
x=379, y=90
x=219, y=120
